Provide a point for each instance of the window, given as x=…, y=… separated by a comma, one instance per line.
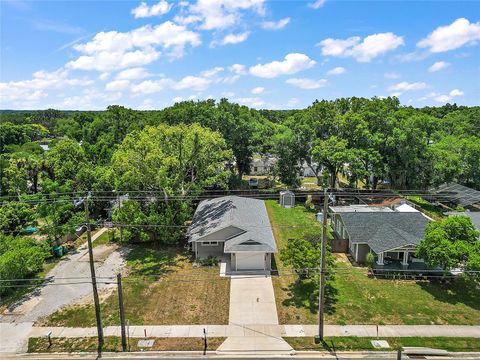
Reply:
x=210, y=243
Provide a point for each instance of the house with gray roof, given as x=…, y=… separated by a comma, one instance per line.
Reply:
x=392, y=236
x=234, y=227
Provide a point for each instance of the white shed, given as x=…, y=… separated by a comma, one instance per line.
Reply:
x=287, y=199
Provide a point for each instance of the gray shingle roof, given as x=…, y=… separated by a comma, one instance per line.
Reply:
x=247, y=214
x=458, y=194
x=384, y=231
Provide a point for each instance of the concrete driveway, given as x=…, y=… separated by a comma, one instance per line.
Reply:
x=252, y=301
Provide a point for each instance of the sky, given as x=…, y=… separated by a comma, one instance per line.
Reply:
x=86, y=55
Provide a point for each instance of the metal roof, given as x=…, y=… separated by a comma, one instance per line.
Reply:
x=247, y=214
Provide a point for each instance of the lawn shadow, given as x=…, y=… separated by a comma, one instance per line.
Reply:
x=303, y=293
x=453, y=291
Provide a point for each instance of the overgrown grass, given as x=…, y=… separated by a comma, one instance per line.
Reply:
x=434, y=211
x=162, y=287
x=460, y=344
x=358, y=299
x=114, y=344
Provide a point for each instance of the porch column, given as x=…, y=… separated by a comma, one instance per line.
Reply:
x=405, y=258
x=380, y=259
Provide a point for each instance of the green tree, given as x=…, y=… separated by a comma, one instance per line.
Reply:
x=14, y=216
x=450, y=243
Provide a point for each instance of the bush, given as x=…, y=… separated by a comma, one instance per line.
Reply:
x=370, y=260
x=20, y=258
x=209, y=261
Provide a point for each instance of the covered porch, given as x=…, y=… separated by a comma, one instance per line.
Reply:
x=401, y=257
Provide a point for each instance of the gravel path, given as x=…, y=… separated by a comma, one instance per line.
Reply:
x=69, y=282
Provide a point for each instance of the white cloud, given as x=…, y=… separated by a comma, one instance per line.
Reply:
x=143, y=10
x=104, y=76
x=115, y=50
x=337, y=71
x=117, y=85
x=238, y=69
x=192, y=82
x=250, y=101
x=133, y=74
x=212, y=72
x=456, y=92
x=445, y=38
x=35, y=89
x=292, y=64
x=152, y=86
x=364, y=50
x=307, y=84
x=439, y=65
x=90, y=99
x=406, y=86
x=317, y=4
x=292, y=102
x=218, y=14
x=146, y=104
x=391, y=75
x=275, y=25
x=258, y=90
x=231, y=39
x=442, y=98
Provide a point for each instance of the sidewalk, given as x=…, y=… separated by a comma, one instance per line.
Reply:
x=268, y=330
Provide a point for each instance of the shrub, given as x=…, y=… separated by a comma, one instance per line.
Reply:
x=370, y=260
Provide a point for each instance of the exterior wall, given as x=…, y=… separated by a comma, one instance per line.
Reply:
x=204, y=251
x=363, y=250
x=340, y=242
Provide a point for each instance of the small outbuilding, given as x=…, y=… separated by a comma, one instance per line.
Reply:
x=287, y=199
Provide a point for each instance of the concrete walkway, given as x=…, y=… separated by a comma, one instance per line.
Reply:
x=251, y=331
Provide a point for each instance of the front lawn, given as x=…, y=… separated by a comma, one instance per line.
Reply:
x=114, y=344
x=351, y=343
x=162, y=287
x=358, y=299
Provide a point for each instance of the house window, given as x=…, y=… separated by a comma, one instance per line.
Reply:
x=210, y=243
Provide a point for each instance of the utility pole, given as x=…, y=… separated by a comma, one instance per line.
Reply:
x=321, y=291
x=122, y=313
x=119, y=206
x=96, y=300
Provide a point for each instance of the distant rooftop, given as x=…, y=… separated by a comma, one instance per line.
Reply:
x=458, y=194
x=359, y=208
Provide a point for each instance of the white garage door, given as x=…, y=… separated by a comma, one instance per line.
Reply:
x=250, y=261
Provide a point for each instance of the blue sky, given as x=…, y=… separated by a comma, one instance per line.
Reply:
x=264, y=54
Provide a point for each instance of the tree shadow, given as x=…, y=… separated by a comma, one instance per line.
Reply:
x=303, y=293
x=453, y=291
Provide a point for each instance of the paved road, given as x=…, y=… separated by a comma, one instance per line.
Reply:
x=64, y=288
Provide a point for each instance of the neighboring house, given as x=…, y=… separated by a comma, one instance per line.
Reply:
x=306, y=171
x=453, y=194
x=234, y=227
x=391, y=235
x=473, y=215
x=263, y=165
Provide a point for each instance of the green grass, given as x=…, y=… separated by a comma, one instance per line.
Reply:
x=430, y=209
x=356, y=298
x=158, y=290
x=460, y=344
x=114, y=344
